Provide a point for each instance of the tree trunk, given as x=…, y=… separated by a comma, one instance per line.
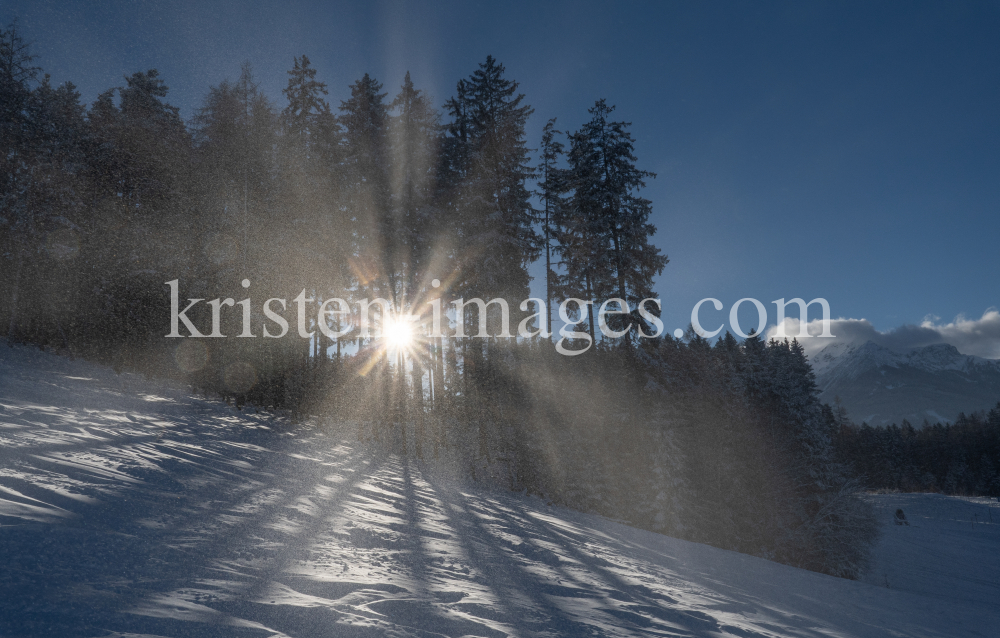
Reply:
x=14, y=298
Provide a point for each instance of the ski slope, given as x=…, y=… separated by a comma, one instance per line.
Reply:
x=129, y=507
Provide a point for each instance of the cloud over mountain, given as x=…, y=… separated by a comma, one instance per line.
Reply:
x=979, y=337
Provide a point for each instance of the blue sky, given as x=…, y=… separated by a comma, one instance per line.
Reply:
x=837, y=150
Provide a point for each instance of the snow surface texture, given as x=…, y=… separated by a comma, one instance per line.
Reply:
x=131, y=508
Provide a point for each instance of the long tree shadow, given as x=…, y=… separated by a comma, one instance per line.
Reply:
x=525, y=598
x=410, y=597
x=134, y=536
x=440, y=592
x=188, y=519
x=630, y=603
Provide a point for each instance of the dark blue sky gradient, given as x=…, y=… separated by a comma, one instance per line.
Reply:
x=848, y=151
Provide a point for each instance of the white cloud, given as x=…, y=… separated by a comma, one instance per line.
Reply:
x=979, y=337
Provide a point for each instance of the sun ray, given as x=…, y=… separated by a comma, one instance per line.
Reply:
x=398, y=332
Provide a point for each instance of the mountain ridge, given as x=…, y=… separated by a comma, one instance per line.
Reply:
x=880, y=385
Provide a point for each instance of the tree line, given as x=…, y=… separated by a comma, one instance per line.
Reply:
x=102, y=205
x=374, y=198
x=952, y=458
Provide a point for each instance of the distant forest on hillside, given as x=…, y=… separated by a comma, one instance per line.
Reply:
x=954, y=458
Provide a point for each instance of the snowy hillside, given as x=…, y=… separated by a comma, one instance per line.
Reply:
x=947, y=547
x=129, y=507
x=882, y=386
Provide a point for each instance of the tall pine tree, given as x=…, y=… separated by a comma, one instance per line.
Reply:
x=495, y=224
x=605, y=231
x=365, y=118
x=552, y=188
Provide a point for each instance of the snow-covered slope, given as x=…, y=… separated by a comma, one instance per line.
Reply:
x=883, y=386
x=129, y=507
x=961, y=535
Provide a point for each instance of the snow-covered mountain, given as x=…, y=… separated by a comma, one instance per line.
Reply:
x=129, y=508
x=882, y=386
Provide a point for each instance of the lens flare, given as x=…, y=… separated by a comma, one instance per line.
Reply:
x=398, y=333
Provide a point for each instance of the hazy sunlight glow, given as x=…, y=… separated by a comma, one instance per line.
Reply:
x=398, y=333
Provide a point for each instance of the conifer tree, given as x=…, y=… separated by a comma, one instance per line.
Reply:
x=552, y=188
x=495, y=219
x=240, y=224
x=56, y=205
x=414, y=138
x=311, y=202
x=605, y=231
x=17, y=73
x=365, y=118
x=310, y=147
x=235, y=133
x=307, y=111
x=142, y=224
x=415, y=146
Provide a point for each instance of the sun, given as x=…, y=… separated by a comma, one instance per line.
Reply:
x=398, y=332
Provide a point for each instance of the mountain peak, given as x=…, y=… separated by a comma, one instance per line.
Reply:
x=941, y=347
x=880, y=385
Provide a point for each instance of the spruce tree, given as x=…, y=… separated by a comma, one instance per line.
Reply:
x=552, y=188
x=142, y=223
x=365, y=118
x=306, y=111
x=309, y=149
x=414, y=136
x=605, y=233
x=17, y=74
x=56, y=198
x=241, y=228
x=488, y=152
x=235, y=132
